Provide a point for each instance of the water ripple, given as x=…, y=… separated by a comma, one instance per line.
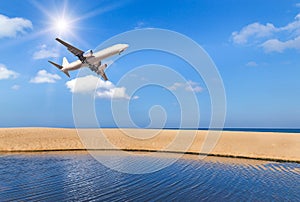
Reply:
x=66, y=177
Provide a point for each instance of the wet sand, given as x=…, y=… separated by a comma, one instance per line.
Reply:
x=254, y=145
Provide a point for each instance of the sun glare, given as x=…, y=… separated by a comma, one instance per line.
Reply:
x=63, y=20
x=62, y=26
x=62, y=23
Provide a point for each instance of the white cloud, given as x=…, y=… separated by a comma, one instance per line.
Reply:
x=293, y=27
x=251, y=64
x=6, y=73
x=45, y=52
x=176, y=85
x=193, y=86
x=255, y=30
x=139, y=25
x=15, y=87
x=188, y=86
x=297, y=5
x=275, y=45
x=269, y=37
x=11, y=27
x=44, y=77
x=117, y=93
x=102, y=89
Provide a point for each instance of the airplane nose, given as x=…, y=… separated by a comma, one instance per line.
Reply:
x=125, y=46
x=122, y=47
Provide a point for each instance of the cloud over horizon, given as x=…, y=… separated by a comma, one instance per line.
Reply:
x=11, y=27
x=45, y=77
x=103, y=89
x=5, y=73
x=270, y=37
x=188, y=86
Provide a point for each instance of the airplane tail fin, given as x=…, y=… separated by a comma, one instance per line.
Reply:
x=59, y=67
x=65, y=62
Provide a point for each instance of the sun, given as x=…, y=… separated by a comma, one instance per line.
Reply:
x=62, y=26
x=59, y=21
x=65, y=19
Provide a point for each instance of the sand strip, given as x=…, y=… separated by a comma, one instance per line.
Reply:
x=252, y=145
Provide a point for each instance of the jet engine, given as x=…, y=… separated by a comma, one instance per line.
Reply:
x=88, y=54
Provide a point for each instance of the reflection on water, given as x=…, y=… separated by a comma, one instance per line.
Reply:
x=78, y=177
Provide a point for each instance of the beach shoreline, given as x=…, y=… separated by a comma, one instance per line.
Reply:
x=270, y=146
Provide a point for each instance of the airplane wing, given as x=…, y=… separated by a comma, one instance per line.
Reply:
x=104, y=76
x=102, y=73
x=77, y=52
x=99, y=71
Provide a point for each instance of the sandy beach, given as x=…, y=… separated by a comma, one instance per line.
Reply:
x=256, y=145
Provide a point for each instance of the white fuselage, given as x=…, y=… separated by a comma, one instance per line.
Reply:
x=95, y=58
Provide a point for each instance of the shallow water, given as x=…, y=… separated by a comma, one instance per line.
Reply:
x=79, y=177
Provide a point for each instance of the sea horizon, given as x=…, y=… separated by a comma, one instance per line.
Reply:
x=234, y=129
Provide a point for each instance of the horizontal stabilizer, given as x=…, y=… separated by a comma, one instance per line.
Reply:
x=56, y=65
x=59, y=67
x=67, y=73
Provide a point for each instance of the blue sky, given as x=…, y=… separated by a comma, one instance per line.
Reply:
x=254, y=44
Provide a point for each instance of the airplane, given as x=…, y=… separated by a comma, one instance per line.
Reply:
x=88, y=58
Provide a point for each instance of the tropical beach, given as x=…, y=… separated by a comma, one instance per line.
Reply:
x=253, y=145
x=149, y=100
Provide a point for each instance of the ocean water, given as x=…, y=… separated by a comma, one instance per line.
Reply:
x=275, y=130
x=79, y=177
